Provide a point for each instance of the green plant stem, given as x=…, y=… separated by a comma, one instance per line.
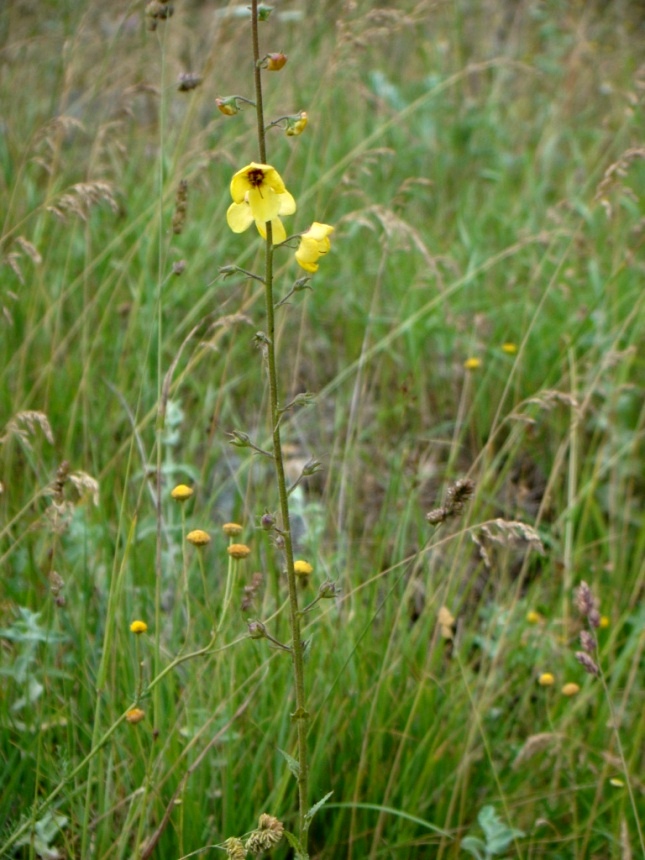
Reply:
x=300, y=716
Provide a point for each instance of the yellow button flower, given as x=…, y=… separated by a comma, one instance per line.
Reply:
x=570, y=689
x=313, y=244
x=181, y=492
x=259, y=195
x=472, y=363
x=238, y=550
x=138, y=627
x=198, y=537
x=546, y=679
x=302, y=568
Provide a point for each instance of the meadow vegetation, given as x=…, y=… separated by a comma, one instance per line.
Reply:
x=474, y=345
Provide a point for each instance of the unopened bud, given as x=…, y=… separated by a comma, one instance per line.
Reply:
x=257, y=630
x=227, y=105
x=312, y=466
x=275, y=62
x=240, y=440
x=328, y=590
x=267, y=521
x=264, y=12
x=296, y=124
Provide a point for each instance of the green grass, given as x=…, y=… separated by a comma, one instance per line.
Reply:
x=458, y=150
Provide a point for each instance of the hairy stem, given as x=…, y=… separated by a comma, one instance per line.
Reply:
x=297, y=650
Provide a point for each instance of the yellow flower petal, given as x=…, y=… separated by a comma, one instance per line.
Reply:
x=264, y=203
x=239, y=217
x=279, y=233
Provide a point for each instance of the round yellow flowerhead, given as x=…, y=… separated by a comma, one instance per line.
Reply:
x=138, y=627
x=134, y=716
x=238, y=550
x=181, y=493
x=509, y=348
x=198, y=537
x=232, y=529
x=472, y=363
x=533, y=617
x=570, y=689
x=604, y=622
x=314, y=243
x=546, y=679
x=302, y=568
x=259, y=195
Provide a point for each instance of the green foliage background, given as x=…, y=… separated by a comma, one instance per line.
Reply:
x=482, y=163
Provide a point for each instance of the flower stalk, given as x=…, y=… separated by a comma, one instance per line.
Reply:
x=297, y=650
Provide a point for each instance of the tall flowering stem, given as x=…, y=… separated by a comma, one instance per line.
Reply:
x=300, y=715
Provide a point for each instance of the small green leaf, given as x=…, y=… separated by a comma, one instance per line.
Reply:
x=293, y=840
x=293, y=764
x=314, y=809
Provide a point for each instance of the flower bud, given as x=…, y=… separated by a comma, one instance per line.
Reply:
x=328, y=590
x=257, y=630
x=275, y=62
x=227, y=105
x=296, y=124
x=267, y=521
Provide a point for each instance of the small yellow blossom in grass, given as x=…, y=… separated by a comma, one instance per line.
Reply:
x=296, y=124
x=198, y=537
x=533, y=617
x=546, y=679
x=134, y=716
x=232, y=529
x=570, y=689
x=472, y=363
x=181, y=493
x=302, y=568
x=238, y=550
x=604, y=622
x=275, y=62
x=314, y=243
x=259, y=195
x=509, y=348
x=617, y=783
x=138, y=627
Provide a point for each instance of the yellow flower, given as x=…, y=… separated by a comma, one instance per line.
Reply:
x=232, y=529
x=134, y=716
x=533, y=617
x=198, y=537
x=617, y=783
x=138, y=627
x=509, y=348
x=181, y=492
x=570, y=689
x=259, y=195
x=302, y=568
x=472, y=363
x=604, y=622
x=546, y=679
x=238, y=550
x=313, y=244
x=296, y=124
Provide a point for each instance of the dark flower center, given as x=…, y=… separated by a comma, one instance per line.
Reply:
x=256, y=177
